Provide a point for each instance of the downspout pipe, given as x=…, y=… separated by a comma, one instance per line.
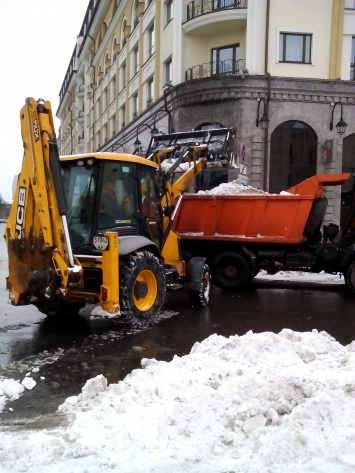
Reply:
x=266, y=65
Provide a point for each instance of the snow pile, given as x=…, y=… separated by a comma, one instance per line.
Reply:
x=234, y=188
x=260, y=402
x=183, y=167
x=10, y=390
x=303, y=277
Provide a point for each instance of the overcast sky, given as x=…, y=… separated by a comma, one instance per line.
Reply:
x=37, y=38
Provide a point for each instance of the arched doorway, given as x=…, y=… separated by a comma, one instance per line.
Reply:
x=347, y=166
x=293, y=155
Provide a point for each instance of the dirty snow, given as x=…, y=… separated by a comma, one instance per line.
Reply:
x=261, y=402
x=234, y=188
x=256, y=403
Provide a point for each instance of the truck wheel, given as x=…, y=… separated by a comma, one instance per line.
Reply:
x=349, y=276
x=231, y=271
x=142, y=288
x=201, y=296
x=59, y=308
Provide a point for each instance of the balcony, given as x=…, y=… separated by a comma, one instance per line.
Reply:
x=202, y=7
x=215, y=69
x=212, y=17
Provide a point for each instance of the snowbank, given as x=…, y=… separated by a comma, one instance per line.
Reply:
x=260, y=402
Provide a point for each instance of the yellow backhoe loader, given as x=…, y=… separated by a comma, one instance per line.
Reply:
x=95, y=228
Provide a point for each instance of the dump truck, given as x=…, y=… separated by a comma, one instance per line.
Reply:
x=96, y=228
x=241, y=234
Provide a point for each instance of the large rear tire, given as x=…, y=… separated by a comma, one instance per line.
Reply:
x=142, y=288
x=231, y=271
x=201, y=296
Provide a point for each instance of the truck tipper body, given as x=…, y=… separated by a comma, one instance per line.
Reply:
x=242, y=234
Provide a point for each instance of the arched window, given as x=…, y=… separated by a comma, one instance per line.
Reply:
x=114, y=49
x=293, y=155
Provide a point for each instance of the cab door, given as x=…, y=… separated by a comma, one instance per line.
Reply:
x=150, y=207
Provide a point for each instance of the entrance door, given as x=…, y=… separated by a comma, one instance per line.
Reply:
x=293, y=155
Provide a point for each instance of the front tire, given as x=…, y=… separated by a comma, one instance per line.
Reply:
x=231, y=271
x=201, y=297
x=142, y=288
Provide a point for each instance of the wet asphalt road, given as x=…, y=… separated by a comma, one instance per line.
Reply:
x=68, y=352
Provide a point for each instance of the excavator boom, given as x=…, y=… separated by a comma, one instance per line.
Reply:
x=40, y=255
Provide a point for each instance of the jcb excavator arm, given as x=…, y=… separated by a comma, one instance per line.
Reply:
x=41, y=262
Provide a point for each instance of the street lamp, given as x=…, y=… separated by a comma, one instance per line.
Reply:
x=137, y=143
x=170, y=121
x=117, y=145
x=341, y=125
x=263, y=122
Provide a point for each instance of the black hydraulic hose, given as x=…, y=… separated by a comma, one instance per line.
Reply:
x=57, y=178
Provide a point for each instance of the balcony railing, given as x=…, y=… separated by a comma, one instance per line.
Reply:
x=216, y=68
x=202, y=7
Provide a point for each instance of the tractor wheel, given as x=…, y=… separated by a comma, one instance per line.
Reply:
x=231, y=271
x=59, y=308
x=142, y=288
x=349, y=276
x=201, y=296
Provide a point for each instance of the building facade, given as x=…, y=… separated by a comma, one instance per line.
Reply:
x=280, y=72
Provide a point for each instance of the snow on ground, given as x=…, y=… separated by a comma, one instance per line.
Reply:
x=256, y=403
x=262, y=402
x=299, y=276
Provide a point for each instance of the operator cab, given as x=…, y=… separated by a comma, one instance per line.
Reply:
x=111, y=195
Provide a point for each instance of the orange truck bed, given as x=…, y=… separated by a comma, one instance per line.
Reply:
x=257, y=218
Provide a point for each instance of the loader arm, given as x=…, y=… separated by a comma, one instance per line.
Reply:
x=40, y=257
x=199, y=148
x=174, y=189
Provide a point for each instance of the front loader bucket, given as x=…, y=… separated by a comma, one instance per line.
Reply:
x=28, y=273
x=18, y=271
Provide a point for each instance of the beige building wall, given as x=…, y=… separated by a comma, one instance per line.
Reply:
x=98, y=107
x=305, y=17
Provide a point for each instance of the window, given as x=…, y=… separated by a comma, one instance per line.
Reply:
x=123, y=76
x=135, y=106
x=104, y=100
x=169, y=70
x=221, y=4
x=151, y=44
x=150, y=91
x=123, y=116
x=98, y=109
x=107, y=64
x=135, y=62
x=80, y=183
x=226, y=60
x=119, y=196
x=169, y=11
x=112, y=89
x=295, y=47
x=104, y=134
x=112, y=126
x=293, y=154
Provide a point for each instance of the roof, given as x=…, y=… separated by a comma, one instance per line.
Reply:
x=132, y=158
